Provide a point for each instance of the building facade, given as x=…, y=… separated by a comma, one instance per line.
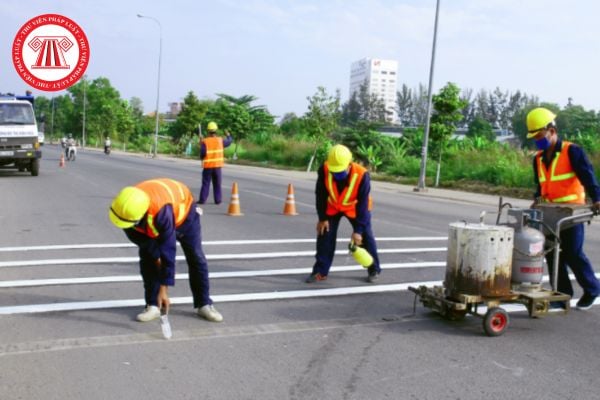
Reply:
x=380, y=77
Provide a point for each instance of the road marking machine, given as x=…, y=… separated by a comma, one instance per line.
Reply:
x=503, y=263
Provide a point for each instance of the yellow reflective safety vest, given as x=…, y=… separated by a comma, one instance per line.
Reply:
x=559, y=184
x=346, y=201
x=162, y=192
x=214, y=152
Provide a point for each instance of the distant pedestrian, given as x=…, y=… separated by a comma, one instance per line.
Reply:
x=563, y=174
x=155, y=214
x=211, y=152
x=343, y=189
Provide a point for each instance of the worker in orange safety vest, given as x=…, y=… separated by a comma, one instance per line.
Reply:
x=211, y=152
x=563, y=174
x=343, y=189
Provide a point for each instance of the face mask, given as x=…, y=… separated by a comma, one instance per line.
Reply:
x=543, y=143
x=340, y=176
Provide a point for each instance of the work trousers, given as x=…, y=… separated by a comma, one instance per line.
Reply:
x=190, y=237
x=572, y=255
x=208, y=175
x=327, y=241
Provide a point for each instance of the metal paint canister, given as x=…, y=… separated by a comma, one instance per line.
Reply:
x=479, y=260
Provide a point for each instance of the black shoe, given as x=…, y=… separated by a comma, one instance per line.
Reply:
x=557, y=305
x=373, y=277
x=586, y=302
x=199, y=202
x=316, y=278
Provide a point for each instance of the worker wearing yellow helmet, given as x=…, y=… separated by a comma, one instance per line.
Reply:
x=563, y=175
x=211, y=152
x=343, y=189
x=154, y=215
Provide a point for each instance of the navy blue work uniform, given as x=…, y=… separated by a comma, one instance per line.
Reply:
x=571, y=239
x=326, y=242
x=188, y=234
x=212, y=174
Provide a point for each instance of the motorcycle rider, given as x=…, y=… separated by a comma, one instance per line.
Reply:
x=71, y=144
x=107, y=145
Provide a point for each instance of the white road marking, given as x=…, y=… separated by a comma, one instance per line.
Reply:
x=239, y=256
x=227, y=298
x=212, y=275
x=224, y=298
x=209, y=243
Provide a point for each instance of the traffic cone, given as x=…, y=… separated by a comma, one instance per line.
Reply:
x=61, y=163
x=234, y=205
x=290, y=203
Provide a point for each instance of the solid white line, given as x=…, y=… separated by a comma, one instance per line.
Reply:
x=225, y=298
x=209, y=243
x=239, y=256
x=212, y=275
x=91, y=305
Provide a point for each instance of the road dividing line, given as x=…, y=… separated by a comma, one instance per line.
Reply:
x=209, y=243
x=212, y=275
x=238, y=256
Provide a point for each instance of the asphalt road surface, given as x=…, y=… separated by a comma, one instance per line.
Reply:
x=70, y=290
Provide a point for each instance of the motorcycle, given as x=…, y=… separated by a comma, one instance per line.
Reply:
x=107, y=150
x=71, y=153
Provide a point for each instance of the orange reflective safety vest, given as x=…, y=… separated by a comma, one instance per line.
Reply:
x=559, y=184
x=214, y=152
x=162, y=192
x=346, y=201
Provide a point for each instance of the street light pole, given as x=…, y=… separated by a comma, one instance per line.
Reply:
x=83, y=124
x=421, y=185
x=158, y=80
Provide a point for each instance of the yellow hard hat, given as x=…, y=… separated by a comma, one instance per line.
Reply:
x=128, y=207
x=212, y=126
x=538, y=119
x=339, y=158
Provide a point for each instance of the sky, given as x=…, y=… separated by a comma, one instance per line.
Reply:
x=282, y=51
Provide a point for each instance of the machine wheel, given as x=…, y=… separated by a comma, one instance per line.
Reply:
x=495, y=321
x=35, y=167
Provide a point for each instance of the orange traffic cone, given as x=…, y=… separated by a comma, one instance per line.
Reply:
x=234, y=206
x=290, y=203
x=61, y=163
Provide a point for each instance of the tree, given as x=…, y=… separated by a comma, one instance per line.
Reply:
x=351, y=111
x=240, y=117
x=419, y=103
x=189, y=119
x=479, y=127
x=363, y=106
x=447, y=106
x=292, y=125
x=404, y=104
x=106, y=113
x=322, y=118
